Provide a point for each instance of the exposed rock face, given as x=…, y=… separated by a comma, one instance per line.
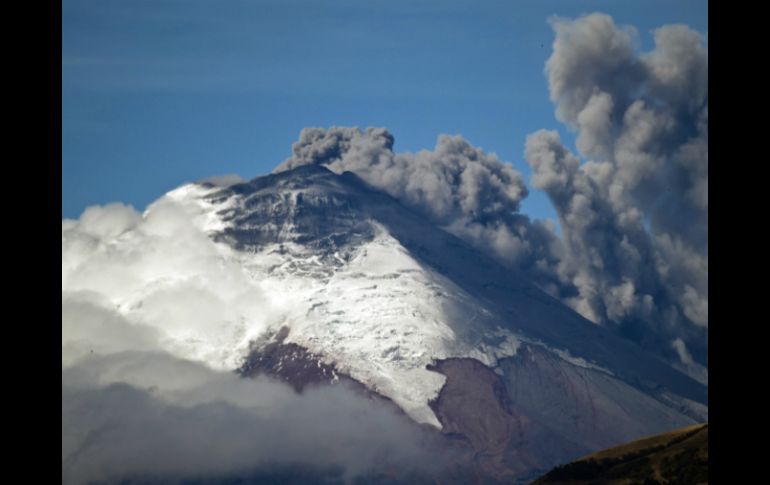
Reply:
x=581, y=404
x=507, y=416
x=290, y=363
x=300, y=368
x=310, y=210
x=475, y=406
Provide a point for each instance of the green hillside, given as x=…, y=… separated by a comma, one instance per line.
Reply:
x=678, y=457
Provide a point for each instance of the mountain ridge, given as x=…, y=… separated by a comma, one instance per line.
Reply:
x=361, y=288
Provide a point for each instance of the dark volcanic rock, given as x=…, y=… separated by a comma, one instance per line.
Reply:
x=290, y=363
x=581, y=405
x=474, y=405
x=301, y=368
x=308, y=206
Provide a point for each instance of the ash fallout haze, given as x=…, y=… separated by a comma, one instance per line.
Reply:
x=433, y=242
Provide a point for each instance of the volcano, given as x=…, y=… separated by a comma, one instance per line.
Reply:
x=368, y=291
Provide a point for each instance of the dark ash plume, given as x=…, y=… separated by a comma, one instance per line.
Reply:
x=635, y=215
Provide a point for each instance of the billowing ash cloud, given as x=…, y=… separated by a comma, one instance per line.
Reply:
x=146, y=299
x=458, y=186
x=635, y=215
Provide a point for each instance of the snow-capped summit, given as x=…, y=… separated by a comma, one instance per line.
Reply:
x=382, y=293
x=319, y=245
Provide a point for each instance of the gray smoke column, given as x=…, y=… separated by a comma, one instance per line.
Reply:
x=455, y=180
x=458, y=186
x=635, y=214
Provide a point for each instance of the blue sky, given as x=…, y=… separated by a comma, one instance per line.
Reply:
x=156, y=93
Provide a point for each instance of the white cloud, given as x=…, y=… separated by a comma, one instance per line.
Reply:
x=155, y=317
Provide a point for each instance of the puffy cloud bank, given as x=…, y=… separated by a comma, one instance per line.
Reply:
x=634, y=214
x=148, y=415
x=146, y=299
